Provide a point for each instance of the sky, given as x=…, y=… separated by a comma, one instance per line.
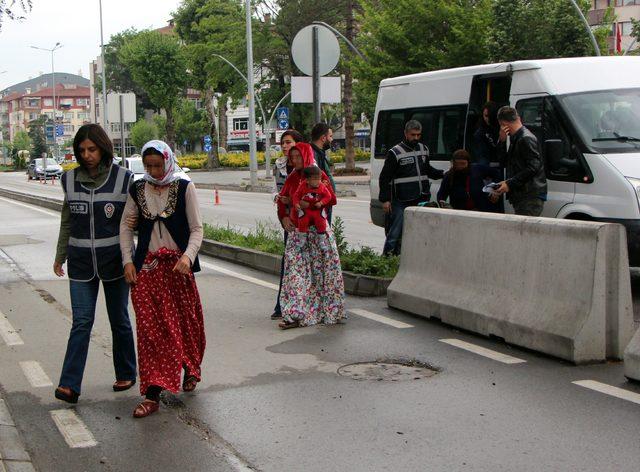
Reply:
x=76, y=25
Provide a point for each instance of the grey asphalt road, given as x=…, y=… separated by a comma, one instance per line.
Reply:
x=273, y=400
x=243, y=209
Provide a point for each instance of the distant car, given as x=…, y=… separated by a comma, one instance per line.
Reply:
x=36, y=170
x=135, y=165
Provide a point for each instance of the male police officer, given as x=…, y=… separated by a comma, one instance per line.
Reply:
x=404, y=182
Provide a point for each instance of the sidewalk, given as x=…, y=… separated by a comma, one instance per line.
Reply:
x=241, y=178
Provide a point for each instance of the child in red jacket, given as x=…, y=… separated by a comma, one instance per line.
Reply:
x=314, y=192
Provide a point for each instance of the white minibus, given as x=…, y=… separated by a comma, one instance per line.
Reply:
x=584, y=111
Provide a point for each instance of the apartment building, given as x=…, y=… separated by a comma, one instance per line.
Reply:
x=624, y=11
x=18, y=109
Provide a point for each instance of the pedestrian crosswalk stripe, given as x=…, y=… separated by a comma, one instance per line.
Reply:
x=380, y=318
x=8, y=332
x=482, y=351
x=609, y=390
x=237, y=275
x=73, y=430
x=35, y=374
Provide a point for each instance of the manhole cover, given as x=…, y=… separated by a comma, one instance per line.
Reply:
x=388, y=370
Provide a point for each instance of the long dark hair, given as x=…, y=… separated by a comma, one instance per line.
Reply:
x=97, y=135
x=296, y=135
x=492, y=108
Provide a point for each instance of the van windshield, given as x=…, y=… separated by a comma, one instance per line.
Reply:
x=608, y=121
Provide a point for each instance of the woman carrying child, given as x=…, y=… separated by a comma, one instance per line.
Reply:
x=312, y=286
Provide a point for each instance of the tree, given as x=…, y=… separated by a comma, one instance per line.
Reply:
x=210, y=27
x=119, y=77
x=158, y=65
x=191, y=124
x=142, y=132
x=36, y=135
x=538, y=29
x=11, y=13
x=400, y=37
x=21, y=141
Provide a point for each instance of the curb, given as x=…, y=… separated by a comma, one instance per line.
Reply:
x=13, y=454
x=258, y=189
x=354, y=284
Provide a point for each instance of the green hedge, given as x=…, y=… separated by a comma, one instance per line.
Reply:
x=267, y=238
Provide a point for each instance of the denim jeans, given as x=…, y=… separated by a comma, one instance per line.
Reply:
x=83, y=304
x=277, y=308
x=529, y=207
x=393, y=243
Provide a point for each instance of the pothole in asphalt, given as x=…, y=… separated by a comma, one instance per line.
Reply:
x=389, y=370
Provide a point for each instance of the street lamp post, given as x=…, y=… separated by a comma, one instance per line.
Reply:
x=265, y=124
x=53, y=80
x=104, y=76
x=253, y=162
x=586, y=25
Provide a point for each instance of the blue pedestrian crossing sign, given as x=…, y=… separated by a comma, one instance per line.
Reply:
x=207, y=147
x=207, y=139
x=59, y=130
x=282, y=115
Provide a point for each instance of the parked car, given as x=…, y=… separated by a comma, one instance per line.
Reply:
x=36, y=170
x=135, y=165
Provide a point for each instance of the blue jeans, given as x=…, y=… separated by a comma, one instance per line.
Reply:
x=393, y=243
x=83, y=304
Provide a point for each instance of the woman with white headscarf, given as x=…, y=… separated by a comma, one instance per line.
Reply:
x=169, y=321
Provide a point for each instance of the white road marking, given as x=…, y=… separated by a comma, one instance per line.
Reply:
x=31, y=207
x=35, y=374
x=72, y=428
x=609, y=390
x=380, y=318
x=481, y=351
x=237, y=275
x=5, y=416
x=8, y=332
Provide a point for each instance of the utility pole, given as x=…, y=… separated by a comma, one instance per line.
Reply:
x=253, y=161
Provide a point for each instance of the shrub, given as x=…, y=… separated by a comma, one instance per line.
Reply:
x=266, y=237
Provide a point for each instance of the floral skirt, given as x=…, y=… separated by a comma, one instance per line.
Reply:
x=169, y=322
x=312, y=286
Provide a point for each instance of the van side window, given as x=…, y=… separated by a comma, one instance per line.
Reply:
x=540, y=115
x=442, y=129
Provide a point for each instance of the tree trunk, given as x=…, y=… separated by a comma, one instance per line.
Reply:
x=222, y=116
x=350, y=154
x=213, y=159
x=171, y=129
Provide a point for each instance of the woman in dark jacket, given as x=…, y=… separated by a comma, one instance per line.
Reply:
x=463, y=184
x=94, y=197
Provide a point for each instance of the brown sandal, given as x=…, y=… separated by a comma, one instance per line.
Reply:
x=189, y=384
x=145, y=408
x=285, y=325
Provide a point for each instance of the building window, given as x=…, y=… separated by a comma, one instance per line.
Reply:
x=626, y=28
x=68, y=116
x=82, y=102
x=68, y=129
x=66, y=102
x=48, y=102
x=624, y=3
x=84, y=116
x=33, y=116
x=240, y=124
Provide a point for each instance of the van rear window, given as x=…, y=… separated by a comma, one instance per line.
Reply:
x=442, y=129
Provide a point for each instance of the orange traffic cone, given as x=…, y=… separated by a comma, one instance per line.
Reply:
x=216, y=197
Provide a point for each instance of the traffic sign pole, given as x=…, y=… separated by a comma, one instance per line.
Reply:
x=317, y=106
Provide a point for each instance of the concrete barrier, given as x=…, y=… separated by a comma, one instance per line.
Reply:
x=559, y=287
x=632, y=358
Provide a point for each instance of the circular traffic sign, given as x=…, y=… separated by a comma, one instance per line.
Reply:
x=328, y=50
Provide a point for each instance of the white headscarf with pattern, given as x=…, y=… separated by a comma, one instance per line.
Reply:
x=170, y=163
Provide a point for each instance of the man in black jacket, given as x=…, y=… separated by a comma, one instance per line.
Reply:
x=526, y=184
x=321, y=139
x=404, y=182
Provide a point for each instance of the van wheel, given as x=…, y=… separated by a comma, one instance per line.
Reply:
x=579, y=217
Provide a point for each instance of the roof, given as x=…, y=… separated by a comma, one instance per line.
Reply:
x=560, y=63
x=10, y=97
x=81, y=92
x=44, y=80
